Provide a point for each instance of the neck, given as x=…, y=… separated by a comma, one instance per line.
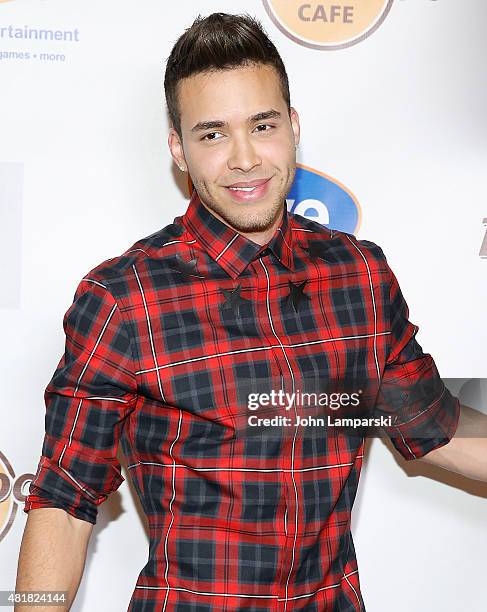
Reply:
x=264, y=236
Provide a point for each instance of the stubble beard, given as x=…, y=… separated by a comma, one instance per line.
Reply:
x=240, y=216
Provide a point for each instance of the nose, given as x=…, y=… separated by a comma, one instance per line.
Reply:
x=243, y=155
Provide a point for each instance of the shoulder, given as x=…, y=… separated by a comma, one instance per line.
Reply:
x=117, y=274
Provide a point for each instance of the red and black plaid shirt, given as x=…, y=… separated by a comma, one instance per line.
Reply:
x=160, y=343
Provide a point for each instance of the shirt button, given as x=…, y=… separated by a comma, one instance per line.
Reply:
x=265, y=252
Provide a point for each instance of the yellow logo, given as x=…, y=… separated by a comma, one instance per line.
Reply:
x=328, y=24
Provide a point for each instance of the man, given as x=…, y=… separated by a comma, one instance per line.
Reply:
x=235, y=296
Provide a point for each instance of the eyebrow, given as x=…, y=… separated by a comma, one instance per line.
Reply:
x=209, y=125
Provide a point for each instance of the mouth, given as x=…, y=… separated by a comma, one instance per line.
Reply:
x=249, y=191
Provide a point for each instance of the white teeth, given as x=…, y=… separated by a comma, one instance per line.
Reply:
x=242, y=188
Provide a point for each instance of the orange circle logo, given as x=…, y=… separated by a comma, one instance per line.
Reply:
x=328, y=24
x=13, y=490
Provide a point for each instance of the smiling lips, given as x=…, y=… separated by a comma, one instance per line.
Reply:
x=248, y=191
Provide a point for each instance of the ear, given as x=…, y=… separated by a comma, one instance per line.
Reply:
x=294, y=117
x=176, y=148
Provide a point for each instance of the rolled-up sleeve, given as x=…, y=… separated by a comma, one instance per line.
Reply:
x=88, y=400
x=423, y=413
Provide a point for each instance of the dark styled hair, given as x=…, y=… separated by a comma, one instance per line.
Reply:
x=220, y=41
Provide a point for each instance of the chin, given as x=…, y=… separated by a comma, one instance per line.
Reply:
x=257, y=223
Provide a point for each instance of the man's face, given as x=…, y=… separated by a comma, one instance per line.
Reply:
x=236, y=130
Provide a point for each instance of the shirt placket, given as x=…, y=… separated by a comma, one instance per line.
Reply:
x=268, y=313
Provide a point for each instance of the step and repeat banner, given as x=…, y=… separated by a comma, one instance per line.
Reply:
x=391, y=96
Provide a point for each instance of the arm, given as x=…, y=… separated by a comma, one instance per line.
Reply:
x=52, y=555
x=466, y=452
x=425, y=415
x=88, y=400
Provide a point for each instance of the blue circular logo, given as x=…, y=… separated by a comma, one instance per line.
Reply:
x=323, y=199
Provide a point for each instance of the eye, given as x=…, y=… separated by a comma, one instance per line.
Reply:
x=264, y=125
x=205, y=137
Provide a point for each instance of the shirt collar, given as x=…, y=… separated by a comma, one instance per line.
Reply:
x=229, y=248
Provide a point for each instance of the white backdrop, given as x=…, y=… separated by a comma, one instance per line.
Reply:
x=398, y=119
